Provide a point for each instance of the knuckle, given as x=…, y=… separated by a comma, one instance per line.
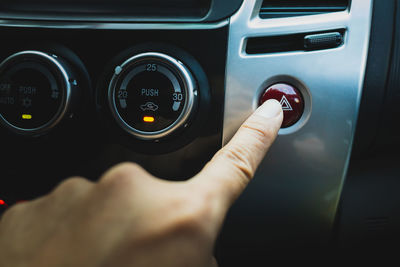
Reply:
x=259, y=130
x=270, y=135
x=195, y=218
x=126, y=168
x=66, y=190
x=240, y=158
x=71, y=184
x=65, y=194
x=122, y=173
x=12, y=213
x=122, y=179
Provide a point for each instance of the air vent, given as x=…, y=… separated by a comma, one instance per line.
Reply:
x=311, y=41
x=291, y=8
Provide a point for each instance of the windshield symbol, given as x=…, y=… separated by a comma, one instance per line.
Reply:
x=149, y=106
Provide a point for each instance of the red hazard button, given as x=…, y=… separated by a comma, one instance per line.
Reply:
x=291, y=100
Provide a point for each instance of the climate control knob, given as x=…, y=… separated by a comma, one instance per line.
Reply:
x=151, y=95
x=35, y=92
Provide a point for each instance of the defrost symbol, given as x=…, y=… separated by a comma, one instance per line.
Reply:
x=26, y=102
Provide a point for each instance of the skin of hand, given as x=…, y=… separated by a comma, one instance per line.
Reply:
x=130, y=218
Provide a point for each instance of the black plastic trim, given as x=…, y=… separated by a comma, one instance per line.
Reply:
x=388, y=135
x=379, y=57
x=210, y=11
x=368, y=209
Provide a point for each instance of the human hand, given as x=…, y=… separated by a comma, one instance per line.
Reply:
x=130, y=218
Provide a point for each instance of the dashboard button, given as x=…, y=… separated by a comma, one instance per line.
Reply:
x=291, y=100
x=151, y=95
x=35, y=92
x=3, y=206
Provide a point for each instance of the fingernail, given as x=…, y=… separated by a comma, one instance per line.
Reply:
x=270, y=109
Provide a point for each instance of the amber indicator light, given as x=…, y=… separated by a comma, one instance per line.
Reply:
x=148, y=119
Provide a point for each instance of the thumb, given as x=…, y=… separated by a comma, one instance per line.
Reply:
x=232, y=168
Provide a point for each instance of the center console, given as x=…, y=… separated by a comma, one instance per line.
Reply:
x=84, y=86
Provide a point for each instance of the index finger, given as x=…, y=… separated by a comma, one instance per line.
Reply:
x=233, y=167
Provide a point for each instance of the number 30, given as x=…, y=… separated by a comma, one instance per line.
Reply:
x=177, y=97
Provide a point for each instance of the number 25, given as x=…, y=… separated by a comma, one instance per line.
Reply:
x=151, y=67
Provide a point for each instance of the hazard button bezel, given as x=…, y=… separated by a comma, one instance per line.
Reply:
x=291, y=99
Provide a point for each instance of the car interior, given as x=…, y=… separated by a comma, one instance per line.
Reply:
x=88, y=84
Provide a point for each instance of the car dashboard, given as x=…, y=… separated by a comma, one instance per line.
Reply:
x=85, y=85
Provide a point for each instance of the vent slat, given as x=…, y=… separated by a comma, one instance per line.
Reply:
x=290, y=8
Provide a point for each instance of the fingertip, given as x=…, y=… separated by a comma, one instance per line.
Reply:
x=269, y=109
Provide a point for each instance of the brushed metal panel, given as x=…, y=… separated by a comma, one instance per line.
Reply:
x=298, y=185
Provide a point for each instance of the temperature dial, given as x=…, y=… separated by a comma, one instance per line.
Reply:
x=151, y=95
x=35, y=92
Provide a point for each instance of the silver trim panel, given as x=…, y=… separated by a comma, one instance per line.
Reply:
x=110, y=25
x=306, y=167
